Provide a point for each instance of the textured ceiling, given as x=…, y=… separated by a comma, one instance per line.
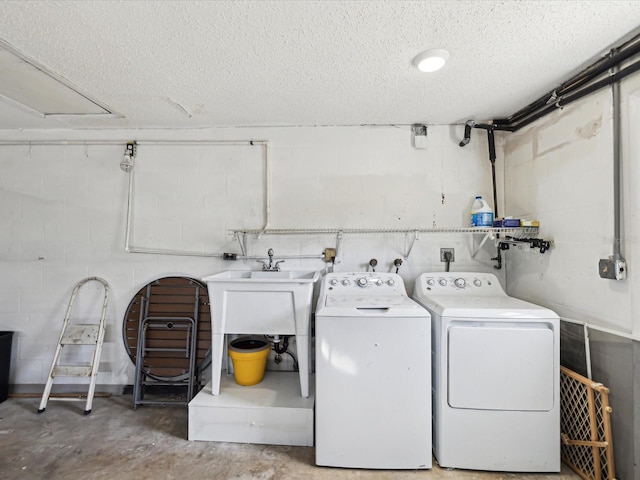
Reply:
x=248, y=63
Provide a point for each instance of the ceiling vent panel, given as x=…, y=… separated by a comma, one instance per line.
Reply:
x=26, y=83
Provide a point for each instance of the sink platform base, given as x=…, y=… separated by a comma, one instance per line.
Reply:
x=271, y=412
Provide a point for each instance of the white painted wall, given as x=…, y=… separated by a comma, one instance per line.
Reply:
x=63, y=210
x=560, y=171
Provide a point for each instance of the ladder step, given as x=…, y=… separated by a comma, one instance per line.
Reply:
x=80, y=335
x=71, y=371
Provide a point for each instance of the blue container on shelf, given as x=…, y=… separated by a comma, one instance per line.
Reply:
x=506, y=222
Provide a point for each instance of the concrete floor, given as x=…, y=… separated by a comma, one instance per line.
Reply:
x=116, y=442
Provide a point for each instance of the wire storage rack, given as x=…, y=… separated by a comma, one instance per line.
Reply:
x=585, y=425
x=513, y=231
x=412, y=234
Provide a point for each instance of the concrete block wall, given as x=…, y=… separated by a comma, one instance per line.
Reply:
x=560, y=171
x=63, y=210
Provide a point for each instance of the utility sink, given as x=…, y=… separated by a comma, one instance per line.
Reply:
x=299, y=276
x=261, y=302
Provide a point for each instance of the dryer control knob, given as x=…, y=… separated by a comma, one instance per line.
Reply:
x=379, y=282
x=362, y=282
x=345, y=282
x=333, y=281
x=460, y=282
x=443, y=282
x=391, y=282
x=477, y=282
x=431, y=282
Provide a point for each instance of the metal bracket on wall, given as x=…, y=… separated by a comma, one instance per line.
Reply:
x=411, y=244
x=477, y=249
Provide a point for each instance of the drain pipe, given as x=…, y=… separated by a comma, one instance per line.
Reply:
x=490, y=128
x=615, y=267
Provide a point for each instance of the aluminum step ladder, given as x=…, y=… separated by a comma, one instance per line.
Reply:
x=74, y=334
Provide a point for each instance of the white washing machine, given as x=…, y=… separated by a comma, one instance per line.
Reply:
x=496, y=379
x=373, y=374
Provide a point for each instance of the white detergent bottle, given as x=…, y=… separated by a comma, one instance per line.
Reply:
x=483, y=214
x=477, y=205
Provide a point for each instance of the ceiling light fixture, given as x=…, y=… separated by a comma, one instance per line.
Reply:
x=431, y=60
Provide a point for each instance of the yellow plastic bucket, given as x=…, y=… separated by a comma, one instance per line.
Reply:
x=249, y=357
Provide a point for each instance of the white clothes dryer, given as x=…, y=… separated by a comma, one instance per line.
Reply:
x=373, y=374
x=496, y=375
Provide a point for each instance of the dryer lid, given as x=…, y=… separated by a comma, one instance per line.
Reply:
x=483, y=307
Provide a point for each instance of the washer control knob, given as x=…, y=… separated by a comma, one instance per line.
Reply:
x=443, y=282
x=333, y=281
x=391, y=282
x=362, y=282
x=379, y=282
x=431, y=282
x=345, y=282
x=460, y=282
x=477, y=282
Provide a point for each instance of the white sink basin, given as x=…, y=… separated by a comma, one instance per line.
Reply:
x=261, y=302
x=299, y=276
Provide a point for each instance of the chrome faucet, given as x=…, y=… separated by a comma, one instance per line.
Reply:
x=270, y=267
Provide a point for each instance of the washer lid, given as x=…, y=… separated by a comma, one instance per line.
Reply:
x=369, y=301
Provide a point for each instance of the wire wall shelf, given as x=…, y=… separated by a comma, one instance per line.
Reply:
x=517, y=232
x=413, y=234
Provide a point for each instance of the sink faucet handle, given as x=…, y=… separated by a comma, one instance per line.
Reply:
x=264, y=264
x=277, y=267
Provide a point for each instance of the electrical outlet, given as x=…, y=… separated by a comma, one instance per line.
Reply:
x=612, y=269
x=444, y=251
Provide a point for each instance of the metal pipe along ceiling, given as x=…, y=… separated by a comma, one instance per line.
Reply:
x=586, y=82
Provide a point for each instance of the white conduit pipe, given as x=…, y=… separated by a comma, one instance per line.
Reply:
x=280, y=257
x=62, y=142
x=267, y=190
x=154, y=251
x=125, y=141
